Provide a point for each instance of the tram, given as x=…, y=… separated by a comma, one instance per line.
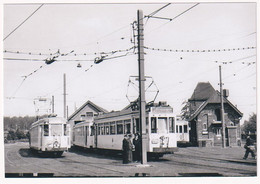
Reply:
x=182, y=131
x=107, y=130
x=50, y=135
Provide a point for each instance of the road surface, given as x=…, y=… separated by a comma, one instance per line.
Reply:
x=191, y=161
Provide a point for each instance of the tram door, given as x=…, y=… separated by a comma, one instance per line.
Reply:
x=136, y=127
x=40, y=135
x=86, y=135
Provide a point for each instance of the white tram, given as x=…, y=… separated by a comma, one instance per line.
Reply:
x=182, y=130
x=107, y=131
x=50, y=135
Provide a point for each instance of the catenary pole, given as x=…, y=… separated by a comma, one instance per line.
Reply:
x=142, y=103
x=222, y=110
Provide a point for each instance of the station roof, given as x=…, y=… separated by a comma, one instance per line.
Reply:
x=207, y=94
x=91, y=105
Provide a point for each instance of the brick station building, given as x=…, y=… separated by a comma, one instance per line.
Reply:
x=205, y=118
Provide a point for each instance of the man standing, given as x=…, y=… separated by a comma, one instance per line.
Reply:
x=125, y=149
x=137, y=146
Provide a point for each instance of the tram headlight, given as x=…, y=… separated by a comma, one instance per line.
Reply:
x=56, y=144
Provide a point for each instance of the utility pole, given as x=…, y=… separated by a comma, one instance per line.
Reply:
x=64, y=95
x=222, y=110
x=142, y=115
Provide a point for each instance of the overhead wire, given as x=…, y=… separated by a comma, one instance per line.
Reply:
x=171, y=19
x=23, y=22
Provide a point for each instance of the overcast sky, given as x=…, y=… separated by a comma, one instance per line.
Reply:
x=83, y=31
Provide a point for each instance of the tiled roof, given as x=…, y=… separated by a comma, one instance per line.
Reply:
x=203, y=91
x=210, y=96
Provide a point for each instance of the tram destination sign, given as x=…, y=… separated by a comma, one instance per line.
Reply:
x=163, y=110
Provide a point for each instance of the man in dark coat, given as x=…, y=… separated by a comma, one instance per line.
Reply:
x=249, y=142
x=125, y=149
x=137, y=146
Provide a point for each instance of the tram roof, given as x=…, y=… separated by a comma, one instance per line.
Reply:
x=51, y=120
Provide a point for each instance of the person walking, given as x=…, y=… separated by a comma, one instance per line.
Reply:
x=137, y=146
x=248, y=146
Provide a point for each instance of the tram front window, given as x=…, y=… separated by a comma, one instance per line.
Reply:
x=56, y=130
x=162, y=125
x=46, y=130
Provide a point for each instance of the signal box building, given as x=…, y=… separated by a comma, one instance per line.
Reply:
x=205, y=118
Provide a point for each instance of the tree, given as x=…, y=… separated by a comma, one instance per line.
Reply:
x=250, y=125
x=186, y=111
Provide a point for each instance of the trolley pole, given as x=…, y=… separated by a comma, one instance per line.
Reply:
x=142, y=103
x=222, y=110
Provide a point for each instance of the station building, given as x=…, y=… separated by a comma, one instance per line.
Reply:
x=205, y=118
x=86, y=112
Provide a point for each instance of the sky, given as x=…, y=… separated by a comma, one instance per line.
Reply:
x=81, y=32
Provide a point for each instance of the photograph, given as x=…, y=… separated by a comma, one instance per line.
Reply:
x=129, y=90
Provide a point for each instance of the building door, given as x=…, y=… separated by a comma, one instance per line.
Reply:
x=193, y=133
x=232, y=135
x=217, y=136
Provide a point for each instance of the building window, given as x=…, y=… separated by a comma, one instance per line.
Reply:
x=205, y=122
x=89, y=114
x=177, y=130
x=218, y=115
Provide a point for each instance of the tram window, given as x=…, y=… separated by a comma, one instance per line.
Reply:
x=107, y=130
x=127, y=126
x=102, y=130
x=185, y=129
x=171, y=124
x=88, y=131
x=99, y=130
x=162, y=125
x=177, y=130
x=64, y=129
x=153, y=125
x=119, y=128
x=92, y=131
x=46, y=130
x=137, y=125
x=180, y=129
x=112, y=128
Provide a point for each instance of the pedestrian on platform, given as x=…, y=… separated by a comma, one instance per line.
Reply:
x=130, y=149
x=125, y=148
x=137, y=146
x=249, y=146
